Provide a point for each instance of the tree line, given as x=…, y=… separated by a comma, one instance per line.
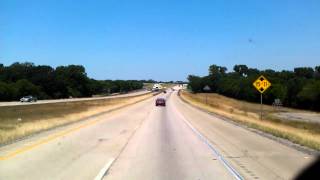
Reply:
x=299, y=88
x=46, y=82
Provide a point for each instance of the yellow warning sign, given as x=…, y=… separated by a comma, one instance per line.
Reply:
x=261, y=84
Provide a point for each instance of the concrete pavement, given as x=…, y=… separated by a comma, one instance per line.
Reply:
x=165, y=148
x=254, y=156
x=149, y=142
x=73, y=152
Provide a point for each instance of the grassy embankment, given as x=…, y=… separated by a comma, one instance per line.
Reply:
x=20, y=121
x=303, y=133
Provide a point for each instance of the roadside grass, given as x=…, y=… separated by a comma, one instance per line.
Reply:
x=303, y=133
x=20, y=121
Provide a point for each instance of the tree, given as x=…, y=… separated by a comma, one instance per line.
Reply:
x=317, y=68
x=75, y=80
x=306, y=72
x=208, y=81
x=253, y=72
x=2, y=71
x=215, y=70
x=6, y=92
x=298, y=88
x=45, y=82
x=195, y=83
x=276, y=91
x=317, y=72
x=17, y=71
x=310, y=95
x=286, y=75
x=241, y=69
x=25, y=87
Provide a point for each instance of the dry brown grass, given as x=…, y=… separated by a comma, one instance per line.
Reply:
x=21, y=121
x=246, y=113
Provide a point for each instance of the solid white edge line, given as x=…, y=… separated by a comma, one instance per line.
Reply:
x=216, y=153
x=104, y=170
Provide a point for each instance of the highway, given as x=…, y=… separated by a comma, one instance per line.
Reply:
x=17, y=103
x=143, y=141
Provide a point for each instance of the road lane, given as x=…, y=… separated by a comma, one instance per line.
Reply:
x=166, y=148
x=151, y=142
x=77, y=155
x=254, y=156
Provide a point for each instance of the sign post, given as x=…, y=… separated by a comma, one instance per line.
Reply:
x=261, y=84
x=261, y=106
x=206, y=88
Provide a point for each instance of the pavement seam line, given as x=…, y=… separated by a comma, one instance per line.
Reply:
x=227, y=165
x=104, y=170
x=131, y=136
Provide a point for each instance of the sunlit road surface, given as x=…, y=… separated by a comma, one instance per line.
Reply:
x=147, y=142
x=17, y=103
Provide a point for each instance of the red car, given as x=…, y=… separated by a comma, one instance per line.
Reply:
x=160, y=102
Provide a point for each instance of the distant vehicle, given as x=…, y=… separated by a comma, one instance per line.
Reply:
x=157, y=87
x=28, y=99
x=160, y=102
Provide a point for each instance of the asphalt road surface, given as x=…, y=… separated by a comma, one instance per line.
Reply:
x=143, y=141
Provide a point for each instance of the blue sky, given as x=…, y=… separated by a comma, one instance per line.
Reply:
x=162, y=40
